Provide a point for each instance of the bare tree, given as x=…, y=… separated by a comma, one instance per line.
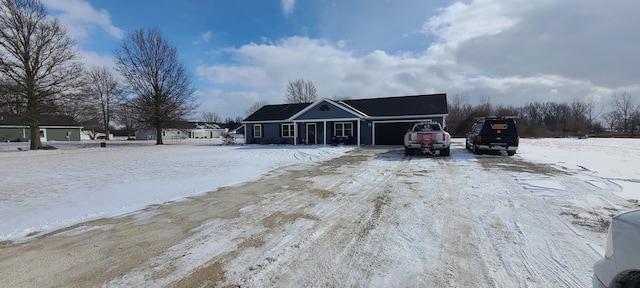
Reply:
x=157, y=78
x=124, y=116
x=38, y=61
x=624, y=106
x=255, y=106
x=300, y=91
x=458, y=107
x=105, y=91
x=339, y=98
x=211, y=117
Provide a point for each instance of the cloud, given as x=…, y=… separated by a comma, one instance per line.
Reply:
x=513, y=52
x=597, y=42
x=80, y=18
x=287, y=6
x=460, y=22
x=204, y=37
x=262, y=70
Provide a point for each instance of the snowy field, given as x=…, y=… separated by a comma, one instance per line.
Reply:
x=367, y=218
x=41, y=191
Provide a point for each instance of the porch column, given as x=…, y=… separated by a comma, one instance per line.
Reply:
x=326, y=133
x=295, y=133
x=359, y=131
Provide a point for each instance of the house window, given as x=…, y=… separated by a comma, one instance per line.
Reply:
x=343, y=129
x=287, y=131
x=257, y=131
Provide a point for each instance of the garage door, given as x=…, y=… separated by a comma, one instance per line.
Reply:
x=391, y=133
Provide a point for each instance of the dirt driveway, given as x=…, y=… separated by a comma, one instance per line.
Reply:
x=371, y=218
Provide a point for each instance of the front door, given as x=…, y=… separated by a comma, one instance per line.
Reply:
x=311, y=133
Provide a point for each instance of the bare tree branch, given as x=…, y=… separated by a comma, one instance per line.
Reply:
x=300, y=91
x=104, y=91
x=255, y=106
x=159, y=81
x=38, y=61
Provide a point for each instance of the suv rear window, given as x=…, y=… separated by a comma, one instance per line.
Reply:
x=499, y=126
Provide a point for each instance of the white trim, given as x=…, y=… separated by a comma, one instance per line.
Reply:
x=356, y=110
x=266, y=122
x=315, y=133
x=343, y=134
x=324, y=133
x=402, y=121
x=317, y=103
x=330, y=120
x=290, y=130
x=406, y=117
x=253, y=129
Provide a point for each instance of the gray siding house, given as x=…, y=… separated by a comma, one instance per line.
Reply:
x=375, y=121
x=15, y=128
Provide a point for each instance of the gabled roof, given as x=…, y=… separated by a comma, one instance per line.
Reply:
x=343, y=107
x=45, y=120
x=416, y=105
x=276, y=112
x=433, y=104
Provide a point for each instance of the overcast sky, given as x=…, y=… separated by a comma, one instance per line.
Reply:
x=512, y=51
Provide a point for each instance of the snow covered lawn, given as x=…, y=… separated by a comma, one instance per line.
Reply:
x=46, y=190
x=366, y=217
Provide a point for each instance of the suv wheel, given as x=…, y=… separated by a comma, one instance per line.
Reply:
x=476, y=150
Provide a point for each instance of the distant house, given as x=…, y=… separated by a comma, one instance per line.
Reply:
x=374, y=121
x=52, y=128
x=180, y=130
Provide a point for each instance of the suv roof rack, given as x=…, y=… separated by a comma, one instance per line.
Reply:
x=498, y=117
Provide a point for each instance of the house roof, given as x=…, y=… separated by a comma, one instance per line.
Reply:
x=433, y=104
x=45, y=120
x=416, y=105
x=276, y=112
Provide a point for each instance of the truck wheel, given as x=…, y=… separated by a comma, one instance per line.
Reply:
x=511, y=153
x=448, y=151
x=406, y=150
x=476, y=150
x=444, y=152
x=630, y=280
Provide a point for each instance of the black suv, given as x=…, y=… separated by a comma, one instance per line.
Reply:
x=493, y=133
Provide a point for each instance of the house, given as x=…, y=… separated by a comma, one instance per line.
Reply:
x=180, y=130
x=52, y=128
x=375, y=121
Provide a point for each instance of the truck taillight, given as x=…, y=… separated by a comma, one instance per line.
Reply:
x=444, y=137
x=479, y=139
x=409, y=136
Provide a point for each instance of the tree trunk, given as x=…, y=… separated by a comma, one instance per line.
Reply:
x=159, y=135
x=35, y=136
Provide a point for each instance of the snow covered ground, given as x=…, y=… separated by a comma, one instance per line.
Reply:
x=41, y=191
x=368, y=217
